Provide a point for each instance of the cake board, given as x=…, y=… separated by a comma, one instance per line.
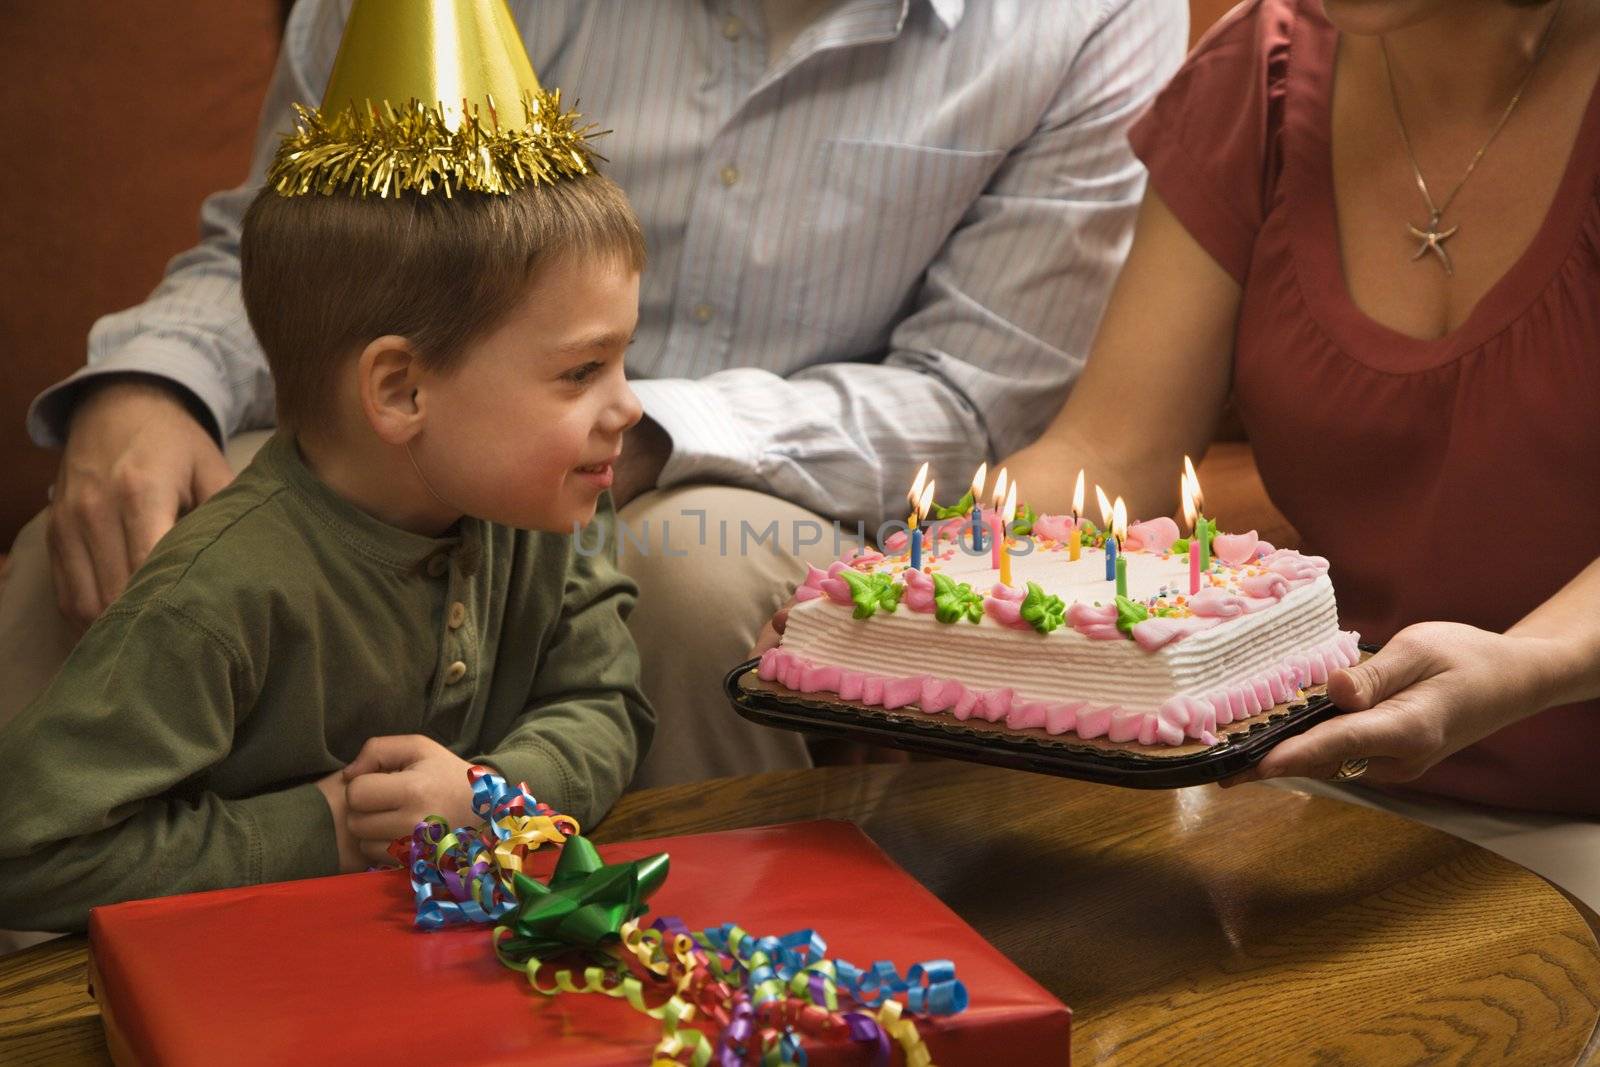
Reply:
x=1241, y=746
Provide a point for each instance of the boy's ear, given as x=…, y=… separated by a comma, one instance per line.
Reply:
x=388, y=375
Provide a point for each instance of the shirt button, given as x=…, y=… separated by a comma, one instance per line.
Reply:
x=458, y=615
x=703, y=313
x=455, y=672
x=732, y=28
x=437, y=565
x=729, y=175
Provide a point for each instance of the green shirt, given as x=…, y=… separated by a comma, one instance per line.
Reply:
x=270, y=634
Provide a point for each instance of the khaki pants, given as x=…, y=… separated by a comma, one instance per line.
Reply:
x=716, y=562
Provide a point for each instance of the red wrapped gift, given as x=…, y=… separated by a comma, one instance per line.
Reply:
x=332, y=970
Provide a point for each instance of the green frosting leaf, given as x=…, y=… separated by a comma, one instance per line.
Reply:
x=872, y=592
x=953, y=602
x=1023, y=525
x=1043, y=611
x=1180, y=547
x=960, y=507
x=1129, y=613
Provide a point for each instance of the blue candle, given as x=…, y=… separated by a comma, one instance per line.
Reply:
x=977, y=528
x=916, y=549
x=1111, y=558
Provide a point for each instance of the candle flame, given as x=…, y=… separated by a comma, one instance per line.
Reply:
x=1077, y=495
x=978, y=479
x=1010, y=511
x=1194, y=486
x=1119, y=520
x=1189, y=512
x=916, y=486
x=1105, y=507
x=999, y=489
x=924, y=503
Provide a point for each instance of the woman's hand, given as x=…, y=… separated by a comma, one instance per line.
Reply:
x=1433, y=690
x=772, y=632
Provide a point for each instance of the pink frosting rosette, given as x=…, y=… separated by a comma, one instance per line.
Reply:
x=1214, y=602
x=940, y=530
x=1152, y=535
x=1295, y=568
x=919, y=591
x=1053, y=527
x=1156, y=632
x=1004, y=606
x=1235, y=549
x=1098, y=623
x=826, y=583
x=863, y=559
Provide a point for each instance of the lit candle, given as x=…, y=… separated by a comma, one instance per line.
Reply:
x=924, y=502
x=977, y=509
x=1105, y=525
x=913, y=523
x=914, y=494
x=1202, y=528
x=1007, y=516
x=1075, y=545
x=1189, y=514
x=1119, y=530
x=997, y=534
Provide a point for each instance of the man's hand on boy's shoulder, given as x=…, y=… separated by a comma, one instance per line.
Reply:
x=135, y=459
x=397, y=781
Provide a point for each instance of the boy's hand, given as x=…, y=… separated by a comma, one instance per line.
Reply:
x=351, y=860
x=395, y=782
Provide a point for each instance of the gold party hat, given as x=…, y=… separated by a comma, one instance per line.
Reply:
x=418, y=100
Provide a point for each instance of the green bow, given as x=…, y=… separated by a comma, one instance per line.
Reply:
x=584, y=905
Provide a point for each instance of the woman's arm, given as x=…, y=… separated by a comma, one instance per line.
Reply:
x=1156, y=379
x=1437, y=687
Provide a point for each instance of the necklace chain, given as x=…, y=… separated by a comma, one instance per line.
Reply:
x=1432, y=239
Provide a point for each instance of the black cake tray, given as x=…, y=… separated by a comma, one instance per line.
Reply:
x=1241, y=746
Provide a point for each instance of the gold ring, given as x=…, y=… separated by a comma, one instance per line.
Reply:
x=1351, y=769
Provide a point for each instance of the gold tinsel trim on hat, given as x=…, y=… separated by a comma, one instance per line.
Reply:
x=387, y=152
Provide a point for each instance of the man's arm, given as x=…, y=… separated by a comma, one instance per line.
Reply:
x=191, y=332
x=99, y=791
x=587, y=723
x=169, y=379
x=1001, y=324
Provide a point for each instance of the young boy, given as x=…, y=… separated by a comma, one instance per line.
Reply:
x=391, y=592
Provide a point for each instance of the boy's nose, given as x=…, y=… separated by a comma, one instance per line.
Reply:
x=627, y=411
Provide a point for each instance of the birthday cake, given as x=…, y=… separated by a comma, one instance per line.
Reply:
x=1180, y=655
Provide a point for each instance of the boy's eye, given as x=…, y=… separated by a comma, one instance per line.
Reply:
x=579, y=375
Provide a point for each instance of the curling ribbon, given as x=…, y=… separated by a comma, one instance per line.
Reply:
x=464, y=875
x=761, y=995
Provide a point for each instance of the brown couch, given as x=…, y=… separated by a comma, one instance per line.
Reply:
x=123, y=117
x=119, y=118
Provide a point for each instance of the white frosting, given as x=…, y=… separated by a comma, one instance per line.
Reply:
x=1065, y=665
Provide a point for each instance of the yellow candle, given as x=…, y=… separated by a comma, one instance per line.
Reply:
x=1006, y=518
x=1075, y=545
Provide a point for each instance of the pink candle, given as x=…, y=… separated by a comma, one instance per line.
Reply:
x=1194, y=565
x=996, y=535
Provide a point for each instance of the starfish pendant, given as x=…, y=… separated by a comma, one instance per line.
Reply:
x=1433, y=240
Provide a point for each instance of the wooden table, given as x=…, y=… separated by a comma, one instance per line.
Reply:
x=1186, y=927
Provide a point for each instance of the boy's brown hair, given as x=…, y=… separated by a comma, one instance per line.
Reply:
x=324, y=275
